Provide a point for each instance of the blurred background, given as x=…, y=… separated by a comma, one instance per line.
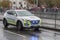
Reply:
x=47, y=10
x=43, y=5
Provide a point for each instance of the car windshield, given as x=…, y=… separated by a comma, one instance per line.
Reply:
x=24, y=13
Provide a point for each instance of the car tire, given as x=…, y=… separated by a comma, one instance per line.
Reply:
x=19, y=26
x=5, y=23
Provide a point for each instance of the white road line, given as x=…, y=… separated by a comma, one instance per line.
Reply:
x=24, y=37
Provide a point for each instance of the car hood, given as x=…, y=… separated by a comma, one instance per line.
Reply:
x=29, y=17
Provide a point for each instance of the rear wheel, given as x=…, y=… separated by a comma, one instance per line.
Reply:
x=19, y=26
x=5, y=23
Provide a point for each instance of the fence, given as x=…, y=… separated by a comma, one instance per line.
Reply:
x=49, y=19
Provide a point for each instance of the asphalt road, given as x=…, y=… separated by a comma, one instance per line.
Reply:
x=12, y=34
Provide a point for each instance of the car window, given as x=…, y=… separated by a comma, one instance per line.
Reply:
x=11, y=12
x=24, y=13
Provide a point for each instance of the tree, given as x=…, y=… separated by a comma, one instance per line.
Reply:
x=58, y=3
x=49, y=3
x=0, y=3
x=5, y=3
x=31, y=1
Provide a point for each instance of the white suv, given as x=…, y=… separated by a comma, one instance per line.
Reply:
x=21, y=19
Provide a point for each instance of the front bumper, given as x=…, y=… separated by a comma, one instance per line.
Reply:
x=32, y=24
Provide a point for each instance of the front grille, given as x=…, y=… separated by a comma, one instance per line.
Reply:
x=35, y=22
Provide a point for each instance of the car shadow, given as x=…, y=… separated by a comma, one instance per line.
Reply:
x=24, y=32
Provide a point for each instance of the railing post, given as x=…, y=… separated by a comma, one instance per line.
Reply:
x=55, y=20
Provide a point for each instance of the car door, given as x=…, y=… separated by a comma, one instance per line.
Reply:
x=12, y=17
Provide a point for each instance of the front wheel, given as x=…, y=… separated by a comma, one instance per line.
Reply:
x=19, y=26
x=5, y=23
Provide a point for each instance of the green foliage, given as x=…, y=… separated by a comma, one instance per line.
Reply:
x=49, y=3
x=5, y=4
x=58, y=3
x=31, y=1
x=0, y=3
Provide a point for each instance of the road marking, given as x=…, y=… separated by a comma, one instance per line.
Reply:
x=24, y=37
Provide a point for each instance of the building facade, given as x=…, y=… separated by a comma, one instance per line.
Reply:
x=18, y=4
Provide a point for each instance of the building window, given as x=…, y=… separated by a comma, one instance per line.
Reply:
x=20, y=4
x=14, y=2
x=24, y=2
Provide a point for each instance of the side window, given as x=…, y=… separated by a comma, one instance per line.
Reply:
x=14, y=13
x=11, y=12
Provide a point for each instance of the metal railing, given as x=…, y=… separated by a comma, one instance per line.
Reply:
x=49, y=19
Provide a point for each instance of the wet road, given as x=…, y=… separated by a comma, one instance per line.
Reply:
x=12, y=34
